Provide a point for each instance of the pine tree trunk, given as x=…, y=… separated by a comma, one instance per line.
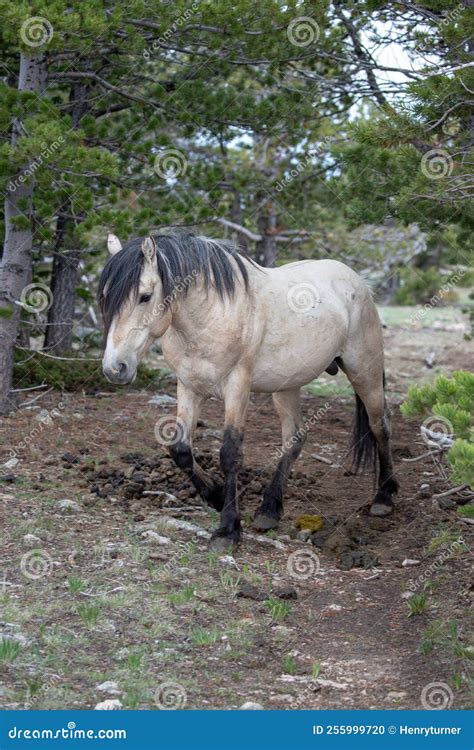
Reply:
x=63, y=288
x=59, y=330
x=15, y=269
x=267, y=248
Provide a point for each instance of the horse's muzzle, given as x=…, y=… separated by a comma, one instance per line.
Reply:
x=120, y=374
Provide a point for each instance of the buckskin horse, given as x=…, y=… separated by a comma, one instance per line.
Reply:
x=229, y=327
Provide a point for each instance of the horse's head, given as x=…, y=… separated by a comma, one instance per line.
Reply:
x=133, y=304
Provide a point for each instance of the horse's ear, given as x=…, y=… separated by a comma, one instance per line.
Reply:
x=149, y=249
x=113, y=244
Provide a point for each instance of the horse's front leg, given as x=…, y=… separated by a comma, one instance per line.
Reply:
x=181, y=448
x=287, y=404
x=236, y=396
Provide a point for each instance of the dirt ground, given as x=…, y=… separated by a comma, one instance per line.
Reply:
x=106, y=589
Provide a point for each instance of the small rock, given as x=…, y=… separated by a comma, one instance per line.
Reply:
x=109, y=687
x=394, y=696
x=11, y=463
x=68, y=505
x=408, y=594
x=248, y=591
x=408, y=562
x=303, y=535
x=111, y=704
x=251, y=706
x=162, y=398
x=228, y=561
x=285, y=592
x=69, y=458
x=30, y=540
x=152, y=536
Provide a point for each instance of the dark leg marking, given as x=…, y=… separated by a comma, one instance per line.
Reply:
x=271, y=509
x=228, y=534
x=382, y=504
x=209, y=488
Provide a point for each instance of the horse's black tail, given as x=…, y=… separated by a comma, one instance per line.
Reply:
x=364, y=445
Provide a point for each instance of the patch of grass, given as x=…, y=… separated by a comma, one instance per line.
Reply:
x=466, y=511
x=288, y=665
x=76, y=584
x=89, y=613
x=182, y=596
x=279, y=610
x=135, y=659
x=203, y=637
x=337, y=385
x=9, y=650
x=315, y=670
x=417, y=604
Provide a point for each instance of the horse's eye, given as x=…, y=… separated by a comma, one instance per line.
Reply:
x=144, y=298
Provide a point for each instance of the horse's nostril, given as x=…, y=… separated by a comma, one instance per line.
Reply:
x=122, y=369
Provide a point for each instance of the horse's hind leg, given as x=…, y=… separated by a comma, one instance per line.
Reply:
x=372, y=428
x=181, y=447
x=287, y=404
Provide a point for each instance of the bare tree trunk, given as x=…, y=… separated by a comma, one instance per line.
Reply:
x=63, y=288
x=15, y=270
x=64, y=275
x=267, y=246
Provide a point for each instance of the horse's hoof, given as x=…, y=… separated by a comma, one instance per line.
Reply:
x=380, y=510
x=263, y=522
x=223, y=545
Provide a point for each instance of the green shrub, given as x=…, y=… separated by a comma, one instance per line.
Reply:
x=451, y=399
x=419, y=286
x=72, y=374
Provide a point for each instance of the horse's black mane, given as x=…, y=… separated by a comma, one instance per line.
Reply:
x=180, y=259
